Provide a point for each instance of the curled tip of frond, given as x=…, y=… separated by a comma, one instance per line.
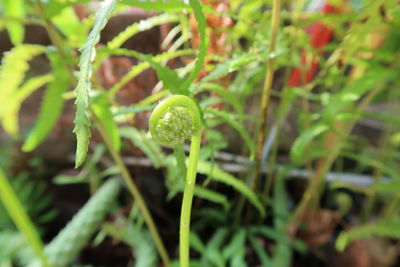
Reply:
x=175, y=120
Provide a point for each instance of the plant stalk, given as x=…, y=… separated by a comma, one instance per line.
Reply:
x=265, y=98
x=135, y=193
x=184, y=255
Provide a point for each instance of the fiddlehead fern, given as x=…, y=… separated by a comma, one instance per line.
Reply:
x=174, y=120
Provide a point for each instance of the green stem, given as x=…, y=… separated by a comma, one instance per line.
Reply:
x=135, y=193
x=21, y=218
x=184, y=256
x=276, y=12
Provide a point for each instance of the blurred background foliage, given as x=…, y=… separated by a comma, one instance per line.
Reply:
x=322, y=189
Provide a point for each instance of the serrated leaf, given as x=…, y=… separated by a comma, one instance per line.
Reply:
x=219, y=175
x=13, y=67
x=51, y=107
x=81, y=121
x=9, y=111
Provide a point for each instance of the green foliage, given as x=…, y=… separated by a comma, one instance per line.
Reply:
x=83, y=88
x=143, y=25
x=224, y=177
x=77, y=233
x=201, y=25
x=51, y=107
x=383, y=228
x=15, y=9
x=101, y=109
x=20, y=218
x=12, y=72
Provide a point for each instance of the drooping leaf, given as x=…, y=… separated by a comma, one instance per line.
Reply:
x=81, y=121
x=224, y=177
x=140, y=26
x=51, y=107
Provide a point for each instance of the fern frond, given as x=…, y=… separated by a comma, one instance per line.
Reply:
x=13, y=68
x=76, y=234
x=9, y=111
x=384, y=228
x=51, y=106
x=82, y=122
x=140, y=26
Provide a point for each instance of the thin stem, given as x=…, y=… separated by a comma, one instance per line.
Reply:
x=184, y=231
x=276, y=12
x=135, y=193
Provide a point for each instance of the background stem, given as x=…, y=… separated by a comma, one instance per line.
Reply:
x=135, y=193
x=276, y=12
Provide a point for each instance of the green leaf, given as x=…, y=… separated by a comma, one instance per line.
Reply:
x=283, y=252
x=146, y=144
x=384, y=228
x=158, y=5
x=211, y=195
x=81, y=121
x=9, y=111
x=224, y=177
x=51, y=107
x=139, y=239
x=140, y=26
x=170, y=78
x=260, y=251
x=13, y=67
x=235, y=250
x=298, y=150
x=20, y=217
x=136, y=70
x=101, y=108
x=226, y=117
x=16, y=30
x=201, y=25
x=226, y=95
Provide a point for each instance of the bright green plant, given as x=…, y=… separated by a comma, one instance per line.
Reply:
x=173, y=121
